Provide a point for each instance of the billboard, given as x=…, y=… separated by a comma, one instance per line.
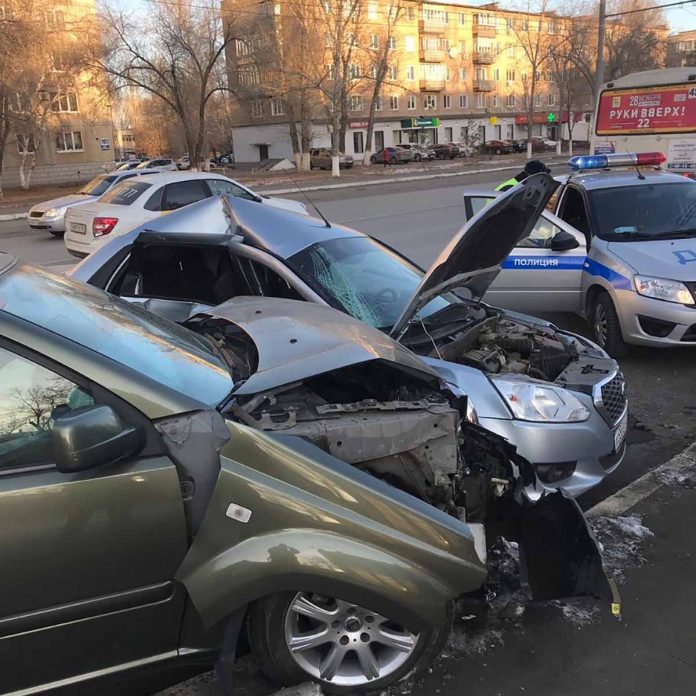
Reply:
x=645, y=110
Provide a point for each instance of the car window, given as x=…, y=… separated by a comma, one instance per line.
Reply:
x=574, y=211
x=183, y=193
x=98, y=185
x=125, y=193
x=32, y=398
x=182, y=272
x=218, y=186
x=541, y=235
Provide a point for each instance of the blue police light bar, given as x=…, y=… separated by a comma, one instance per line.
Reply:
x=624, y=159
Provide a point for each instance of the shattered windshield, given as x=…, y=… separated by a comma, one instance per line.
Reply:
x=645, y=212
x=362, y=278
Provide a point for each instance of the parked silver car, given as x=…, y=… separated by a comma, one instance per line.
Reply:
x=420, y=152
x=394, y=155
x=320, y=158
x=558, y=397
x=50, y=215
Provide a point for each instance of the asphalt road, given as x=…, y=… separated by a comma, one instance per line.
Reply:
x=419, y=218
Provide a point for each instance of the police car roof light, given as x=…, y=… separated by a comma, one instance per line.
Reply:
x=627, y=159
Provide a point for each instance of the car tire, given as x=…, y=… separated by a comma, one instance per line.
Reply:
x=418, y=158
x=392, y=160
x=271, y=624
x=606, y=327
x=498, y=151
x=57, y=233
x=373, y=160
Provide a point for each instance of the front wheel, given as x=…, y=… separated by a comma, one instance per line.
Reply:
x=418, y=158
x=498, y=151
x=297, y=636
x=392, y=160
x=57, y=233
x=606, y=326
x=373, y=160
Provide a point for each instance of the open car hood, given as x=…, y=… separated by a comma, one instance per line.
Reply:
x=297, y=340
x=472, y=259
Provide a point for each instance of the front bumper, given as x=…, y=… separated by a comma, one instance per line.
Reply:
x=43, y=223
x=643, y=317
x=587, y=449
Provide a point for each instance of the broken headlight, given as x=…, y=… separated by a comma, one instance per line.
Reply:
x=535, y=402
x=663, y=289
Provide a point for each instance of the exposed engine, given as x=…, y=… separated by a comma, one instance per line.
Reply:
x=395, y=426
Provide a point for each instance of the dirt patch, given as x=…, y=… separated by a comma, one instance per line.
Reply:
x=621, y=539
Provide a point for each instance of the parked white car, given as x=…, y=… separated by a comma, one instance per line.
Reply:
x=163, y=164
x=140, y=199
x=50, y=215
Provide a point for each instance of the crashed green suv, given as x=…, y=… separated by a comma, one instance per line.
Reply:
x=165, y=489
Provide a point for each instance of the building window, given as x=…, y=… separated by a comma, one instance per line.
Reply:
x=69, y=141
x=392, y=43
x=393, y=72
x=410, y=14
x=257, y=109
x=481, y=74
x=242, y=48
x=358, y=143
x=551, y=99
x=354, y=71
x=372, y=13
x=537, y=100
x=411, y=72
x=552, y=27
x=510, y=75
x=378, y=102
x=394, y=103
x=277, y=107
x=410, y=43
x=411, y=102
x=448, y=134
x=330, y=71
x=57, y=62
x=446, y=101
x=64, y=102
x=510, y=100
x=374, y=41
x=480, y=100
x=462, y=19
x=463, y=101
x=495, y=101
x=511, y=50
x=448, y=74
x=429, y=102
x=373, y=72
x=435, y=16
x=25, y=143
x=356, y=103
x=462, y=74
x=55, y=19
x=462, y=48
x=248, y=76
x=496, y=74
x=510, y=26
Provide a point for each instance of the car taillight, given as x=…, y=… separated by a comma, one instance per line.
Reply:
x=101, y=226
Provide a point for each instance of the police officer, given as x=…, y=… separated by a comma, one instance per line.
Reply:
x=531, y=167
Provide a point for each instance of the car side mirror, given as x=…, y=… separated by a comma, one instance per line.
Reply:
x=92, y=436
x=564, y=241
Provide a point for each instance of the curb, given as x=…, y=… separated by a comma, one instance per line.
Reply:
x=645, y=486
x=13, y=216
x=397, y=179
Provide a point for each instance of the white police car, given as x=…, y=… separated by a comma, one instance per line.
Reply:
x=619, y=250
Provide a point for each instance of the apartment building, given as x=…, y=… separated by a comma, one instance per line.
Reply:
x=456, y=73
x=76, y=140
x=681, y=49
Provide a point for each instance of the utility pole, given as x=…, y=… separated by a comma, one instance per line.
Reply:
x=599, y=71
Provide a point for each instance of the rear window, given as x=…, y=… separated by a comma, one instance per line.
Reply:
x=98, y=185
x=125, y=193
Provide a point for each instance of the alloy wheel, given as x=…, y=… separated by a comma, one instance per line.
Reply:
x=344, y=644
x=601, y=328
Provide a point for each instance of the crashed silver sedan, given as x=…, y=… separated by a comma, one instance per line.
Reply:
x=559, y=398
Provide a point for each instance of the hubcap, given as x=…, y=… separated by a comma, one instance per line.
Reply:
x=601, y=328
x=342, y=643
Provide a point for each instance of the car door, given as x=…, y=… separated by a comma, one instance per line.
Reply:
x=544, y=271
x=87, y=558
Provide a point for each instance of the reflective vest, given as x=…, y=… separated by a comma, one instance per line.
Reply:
x=507, y=184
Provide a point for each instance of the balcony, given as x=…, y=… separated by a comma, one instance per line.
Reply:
x=427, y=26
x=487, y=31
x=482, y=58
x=484, y=85
x=432, y=85
x=428, y=55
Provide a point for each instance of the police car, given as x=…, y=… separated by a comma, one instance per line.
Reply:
x=619, y=248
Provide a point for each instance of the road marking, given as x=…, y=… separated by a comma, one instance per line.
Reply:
x=644, y=486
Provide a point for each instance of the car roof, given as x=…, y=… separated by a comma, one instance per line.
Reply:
x=170, y=177
x=613, y=178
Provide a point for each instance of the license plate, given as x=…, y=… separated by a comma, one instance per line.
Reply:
x=78, y=228
x=620, y=432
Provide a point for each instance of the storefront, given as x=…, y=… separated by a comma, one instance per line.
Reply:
x=418, y=130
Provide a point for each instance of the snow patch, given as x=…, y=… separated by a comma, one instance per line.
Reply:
x=621, y=539
x=684, y=477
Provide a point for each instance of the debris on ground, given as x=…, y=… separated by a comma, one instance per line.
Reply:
x=683, y=477
x=620, y=539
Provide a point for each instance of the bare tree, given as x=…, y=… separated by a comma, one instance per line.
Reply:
x=532, y=37
x=174, y=53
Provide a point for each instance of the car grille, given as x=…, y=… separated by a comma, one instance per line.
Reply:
x=613, y=399
x=691, y=284
x=36, y=213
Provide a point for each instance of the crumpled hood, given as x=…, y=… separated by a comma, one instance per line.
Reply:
x=69, y=200
x=674, y=259
x=472, y=259
x=296, y=340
